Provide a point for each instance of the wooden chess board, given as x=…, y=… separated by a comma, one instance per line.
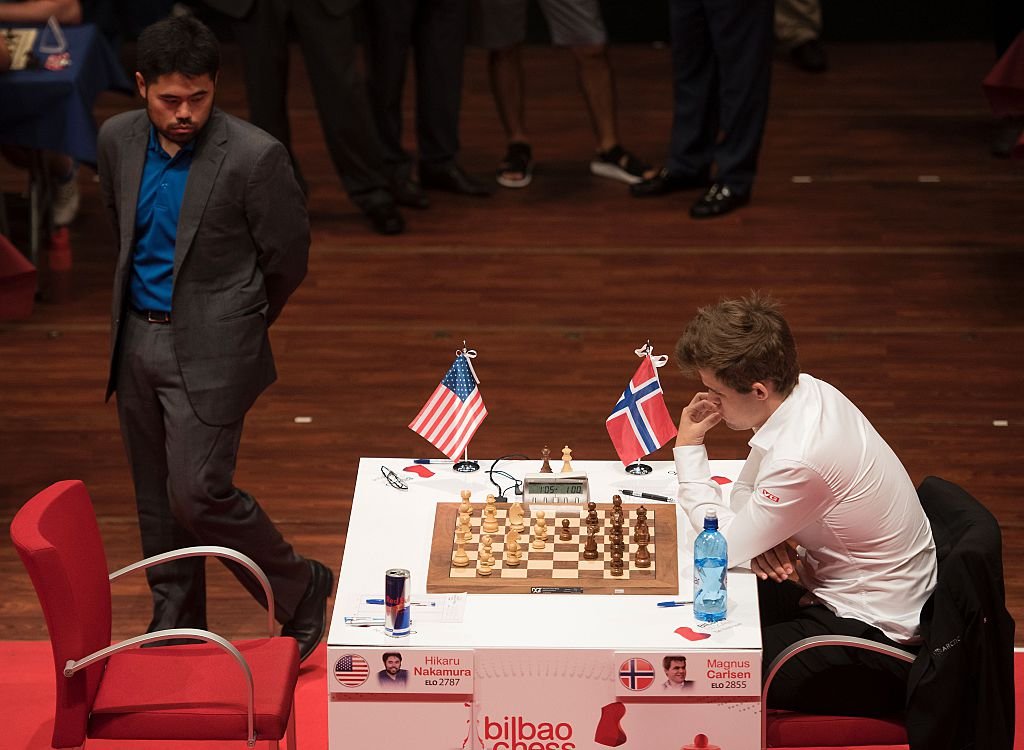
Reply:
x=560, y=563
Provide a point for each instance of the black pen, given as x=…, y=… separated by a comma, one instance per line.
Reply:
x=647, y=496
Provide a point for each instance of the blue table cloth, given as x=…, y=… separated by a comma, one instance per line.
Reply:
x=52, y=109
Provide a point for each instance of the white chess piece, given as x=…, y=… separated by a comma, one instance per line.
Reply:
x=540, y=531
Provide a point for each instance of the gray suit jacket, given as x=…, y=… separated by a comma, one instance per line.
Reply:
x=241, y=8
x=241, y=250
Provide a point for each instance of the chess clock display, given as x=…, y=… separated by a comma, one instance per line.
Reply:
x=556, y=488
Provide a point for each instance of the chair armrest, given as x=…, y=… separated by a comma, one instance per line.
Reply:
x=74, y=665
x=819, y=641
x=209, y=551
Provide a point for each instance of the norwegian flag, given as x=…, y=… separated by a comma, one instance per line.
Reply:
x=640, y=423
x=453, y=412
x=636, y=674
x=351, y=670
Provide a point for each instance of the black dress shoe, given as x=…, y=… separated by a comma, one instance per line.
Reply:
x=452, y=178
x=810, y=56
x=409, y=193
x=386, y=219
x=666, y=182
x=718, y=200
x=309, y=622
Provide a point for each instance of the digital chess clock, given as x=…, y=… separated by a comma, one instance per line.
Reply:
x=556, y=488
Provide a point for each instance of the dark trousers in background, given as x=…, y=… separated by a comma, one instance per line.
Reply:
x=834, y=680
x=721, y=80
x=182, y=470
x=436, y=32
x=329, y=48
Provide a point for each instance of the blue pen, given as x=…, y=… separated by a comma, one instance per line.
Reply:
x=432, y=461
x=673, y=604
x=416, y=604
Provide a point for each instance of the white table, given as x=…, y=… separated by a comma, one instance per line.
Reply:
x=531, y=672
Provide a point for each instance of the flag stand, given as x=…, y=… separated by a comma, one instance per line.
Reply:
x=638, y=468
x=466, y=465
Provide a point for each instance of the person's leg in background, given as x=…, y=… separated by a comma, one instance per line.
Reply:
x=329, y=47
x=440, y=33
x=798, y=32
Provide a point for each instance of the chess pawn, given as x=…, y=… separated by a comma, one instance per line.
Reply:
x=617, y=543
x=592, y=520
x=565, y=535
x=512, y=554
x=540, y=531
x=616, y=563
x=460, y=559
x=486, y=562
x=490, y=524
x=566, y=458
x=642, y=533
x=642, y=558
x=466, y=506
x=545, y=467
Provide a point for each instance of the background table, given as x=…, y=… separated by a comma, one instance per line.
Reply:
x=549, y=671
x=51, y=110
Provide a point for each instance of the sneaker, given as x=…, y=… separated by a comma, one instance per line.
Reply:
x=618, y=164
x=65, y=201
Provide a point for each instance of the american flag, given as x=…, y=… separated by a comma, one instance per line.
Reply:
x=351, y=670
x=454, y=412
x=640, y=423
x=636, y=674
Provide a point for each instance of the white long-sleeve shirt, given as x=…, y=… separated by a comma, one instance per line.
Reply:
x=819, y=473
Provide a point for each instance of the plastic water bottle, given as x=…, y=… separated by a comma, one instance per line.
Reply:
x=710, y=565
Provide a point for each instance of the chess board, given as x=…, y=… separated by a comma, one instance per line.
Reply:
x=560, y=564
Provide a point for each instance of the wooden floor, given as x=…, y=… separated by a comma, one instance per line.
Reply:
x=879, y=219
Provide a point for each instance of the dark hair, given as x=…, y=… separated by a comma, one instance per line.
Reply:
x=177, y=44
x=386, y=654
x=667, y=661
x=742, y=341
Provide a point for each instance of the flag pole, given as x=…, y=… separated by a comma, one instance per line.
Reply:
x=466, y=465
x=637, y=468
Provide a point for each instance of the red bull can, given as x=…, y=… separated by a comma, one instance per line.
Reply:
x=397, y=602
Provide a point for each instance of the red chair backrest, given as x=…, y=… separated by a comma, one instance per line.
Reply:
x=59, y=542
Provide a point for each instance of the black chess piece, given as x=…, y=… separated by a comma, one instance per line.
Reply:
x=590, y=548
x=642, y=558
x=545, y=468
x=564, y=534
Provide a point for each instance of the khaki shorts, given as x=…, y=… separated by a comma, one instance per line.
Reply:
x=498, y=24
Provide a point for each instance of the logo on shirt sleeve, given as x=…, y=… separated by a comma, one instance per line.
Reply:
x=770, y=496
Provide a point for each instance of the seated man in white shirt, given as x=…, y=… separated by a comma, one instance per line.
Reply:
x=823, y=510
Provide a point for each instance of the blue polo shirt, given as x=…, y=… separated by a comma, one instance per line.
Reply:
x=156, y=224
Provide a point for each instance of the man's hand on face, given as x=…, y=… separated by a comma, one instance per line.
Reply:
x=699, y=416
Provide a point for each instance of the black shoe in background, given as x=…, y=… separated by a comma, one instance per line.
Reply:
x=810, y=56
x=666, y=182
x=408, y=193
x=309, y=622
x=717, y=201
x=386, y=219
x=451, y=178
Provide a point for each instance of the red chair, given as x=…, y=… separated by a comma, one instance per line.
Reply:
x=215, y=690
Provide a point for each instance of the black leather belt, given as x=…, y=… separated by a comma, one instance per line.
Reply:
x=152, y=316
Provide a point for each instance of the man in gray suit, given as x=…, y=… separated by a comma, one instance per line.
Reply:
x=213, y=237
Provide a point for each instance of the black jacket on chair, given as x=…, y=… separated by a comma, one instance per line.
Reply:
x=960, y=690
